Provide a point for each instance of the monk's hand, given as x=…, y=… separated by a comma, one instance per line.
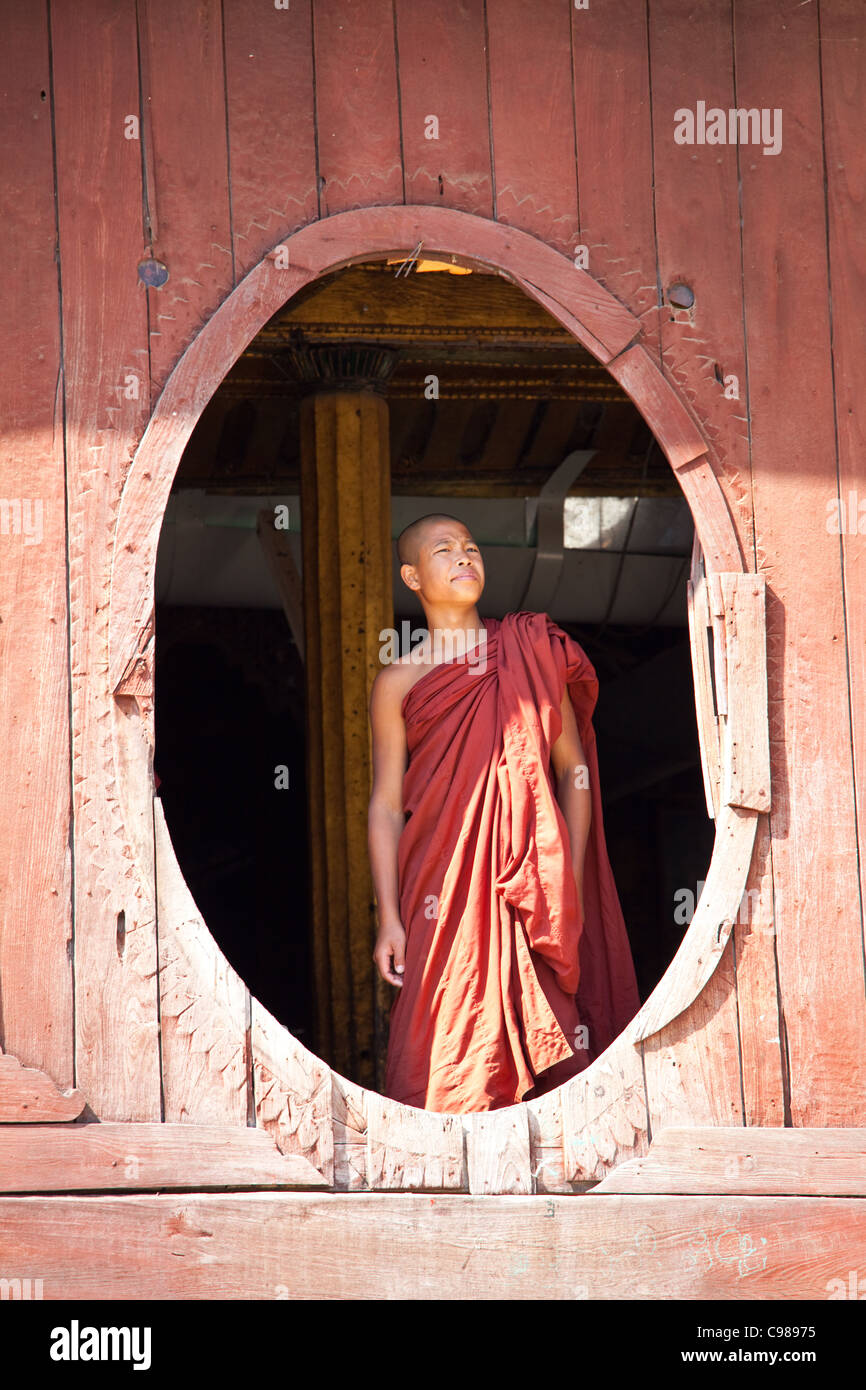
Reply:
x=390, y=953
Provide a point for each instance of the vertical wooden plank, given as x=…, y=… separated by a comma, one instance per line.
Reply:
x=743, y=624
x=272, y=145
x=546, y=1142
x=498, y=1152
x=697, y=225
x=184, y=119
x=843, y=59
x=443, y=74
x=692, y=1067
x=410, y=1150
x=106, y=387
x=357, y=104
x=759, y=1017
x=758, y=1012
x=818, y=922
x=696, y=214
x=349, y=1128
x=615, y=156
x=545, y=1121
x=532, y=119
x=35, y=865
x=203, y=1005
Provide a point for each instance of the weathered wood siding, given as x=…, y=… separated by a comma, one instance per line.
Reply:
x=255, y=121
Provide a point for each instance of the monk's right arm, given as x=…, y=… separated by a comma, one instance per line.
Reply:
x=385, y=822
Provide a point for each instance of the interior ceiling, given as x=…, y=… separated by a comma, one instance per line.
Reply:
x=516, y=392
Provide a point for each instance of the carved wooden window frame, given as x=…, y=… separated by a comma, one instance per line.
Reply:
x=358, y=1139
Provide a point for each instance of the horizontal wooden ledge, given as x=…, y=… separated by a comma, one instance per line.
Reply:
x=293, y=1245
x=733, y=1160
x=106, y=1156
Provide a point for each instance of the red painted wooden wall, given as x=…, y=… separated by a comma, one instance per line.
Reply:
x=254, y=120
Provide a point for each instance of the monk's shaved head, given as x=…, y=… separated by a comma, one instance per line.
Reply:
x=411, y=538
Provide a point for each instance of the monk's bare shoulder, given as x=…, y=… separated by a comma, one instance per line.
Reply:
x=392, y=684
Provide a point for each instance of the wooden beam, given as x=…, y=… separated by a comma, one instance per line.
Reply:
x=409, y=484
x=557, y=426
x=374, y=303
x=746, y=742
x=296, y=1245
x=504, y=443
x=91, y=1157
x=445, y=440
x=345, y=507
x=734, y=1159
x=729, y=610
x=46, y=1158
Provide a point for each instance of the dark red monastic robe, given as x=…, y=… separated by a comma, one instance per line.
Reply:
x=502, y=973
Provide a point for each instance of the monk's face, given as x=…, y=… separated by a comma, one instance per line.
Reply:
x=449, y=565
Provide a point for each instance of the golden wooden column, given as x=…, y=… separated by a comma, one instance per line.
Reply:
x=346, y=537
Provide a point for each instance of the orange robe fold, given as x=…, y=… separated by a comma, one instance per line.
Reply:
x=502, y=973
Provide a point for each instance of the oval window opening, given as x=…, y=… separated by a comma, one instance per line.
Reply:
x=494, y=414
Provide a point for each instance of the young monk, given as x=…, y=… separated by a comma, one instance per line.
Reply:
x=499, y=919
